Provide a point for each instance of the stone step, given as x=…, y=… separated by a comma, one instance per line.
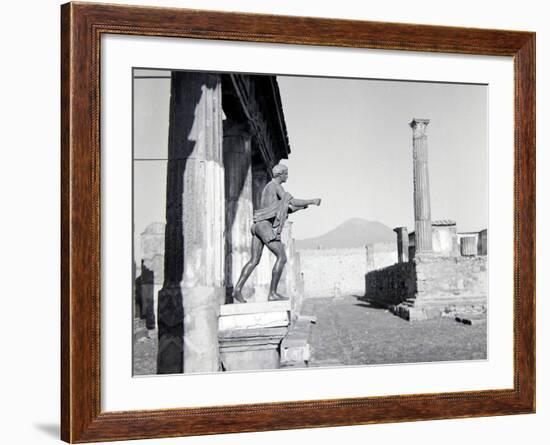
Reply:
x=253, y=320
x=254, y=308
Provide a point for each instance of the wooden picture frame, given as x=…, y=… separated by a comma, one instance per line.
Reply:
x=82, y=26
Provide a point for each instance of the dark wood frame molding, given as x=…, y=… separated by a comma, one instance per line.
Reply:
x=82, y=25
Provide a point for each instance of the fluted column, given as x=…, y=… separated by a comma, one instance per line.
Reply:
x=194, y=237
x=422, y=212
x=402, y=244
x=238, y=193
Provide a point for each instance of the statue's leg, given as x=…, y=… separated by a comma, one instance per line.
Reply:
x=257, y=248
x=278, y=249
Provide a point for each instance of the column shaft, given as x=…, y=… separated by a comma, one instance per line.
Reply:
x=422, y=211
x=238, y=193
x=195, y=217
x=402, y=244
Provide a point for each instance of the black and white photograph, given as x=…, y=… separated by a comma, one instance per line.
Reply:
x=289, y=222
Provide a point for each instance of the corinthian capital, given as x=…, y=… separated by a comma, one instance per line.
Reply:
x=419, y=127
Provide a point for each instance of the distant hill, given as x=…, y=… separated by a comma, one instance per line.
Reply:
x=355, y=232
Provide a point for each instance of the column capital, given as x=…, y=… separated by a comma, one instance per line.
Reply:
x=419, y=127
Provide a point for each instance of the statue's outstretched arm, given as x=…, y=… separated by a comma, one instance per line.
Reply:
x=305, y=202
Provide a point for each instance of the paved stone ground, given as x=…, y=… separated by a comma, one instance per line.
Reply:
x=351, y=332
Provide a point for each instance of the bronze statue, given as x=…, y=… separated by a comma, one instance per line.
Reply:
x=275, y=205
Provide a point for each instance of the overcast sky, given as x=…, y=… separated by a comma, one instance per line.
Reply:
x=351, y=146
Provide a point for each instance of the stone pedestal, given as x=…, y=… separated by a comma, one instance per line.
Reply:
x=422, y=210
x=295, y=348
x=445, y=286
x=444, y=236
x=250, y=335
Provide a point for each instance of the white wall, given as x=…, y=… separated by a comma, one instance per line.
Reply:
x=29, y=181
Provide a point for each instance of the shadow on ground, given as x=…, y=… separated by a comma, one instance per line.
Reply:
x=351, y=330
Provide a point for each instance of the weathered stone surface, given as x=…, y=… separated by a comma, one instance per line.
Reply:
x=444, y=238
x=430, y=286
x=152, y=250
x=482, y=243
x=200, y=328
x=251, y=349
x=402, y=244
x=252, y=321
x=250, y=334
x=468, y=245
x=422, y=207
x=327, y=272
x=254, y=308
x=194, y=245
x=295, y=347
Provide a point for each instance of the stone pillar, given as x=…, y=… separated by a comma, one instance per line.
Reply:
x=152, y=254
x=468, y=245
x=238, y=201
x=422, y=212
x=148, y=295
x=288, y=285
x=482, y=243
x=369, y=251
x=402, y=244
x=193, y=289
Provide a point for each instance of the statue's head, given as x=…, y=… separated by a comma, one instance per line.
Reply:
x=280, y=171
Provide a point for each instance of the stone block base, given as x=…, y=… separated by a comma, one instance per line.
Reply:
x=295, y=349
x=250, y=335
x=474, y=307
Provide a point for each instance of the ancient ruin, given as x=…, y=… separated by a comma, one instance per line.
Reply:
x=226, y=132
x=445, y=273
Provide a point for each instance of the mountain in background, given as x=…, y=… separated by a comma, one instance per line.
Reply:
x=355, y=232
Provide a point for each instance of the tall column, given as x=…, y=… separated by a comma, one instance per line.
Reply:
x=195, y=215
x=422, y=213
x=238, y=195
x=402, y=244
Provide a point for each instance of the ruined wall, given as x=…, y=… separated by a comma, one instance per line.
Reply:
x=337, y=272
x=464, y=277
x=442, y=283
x=392, y=284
